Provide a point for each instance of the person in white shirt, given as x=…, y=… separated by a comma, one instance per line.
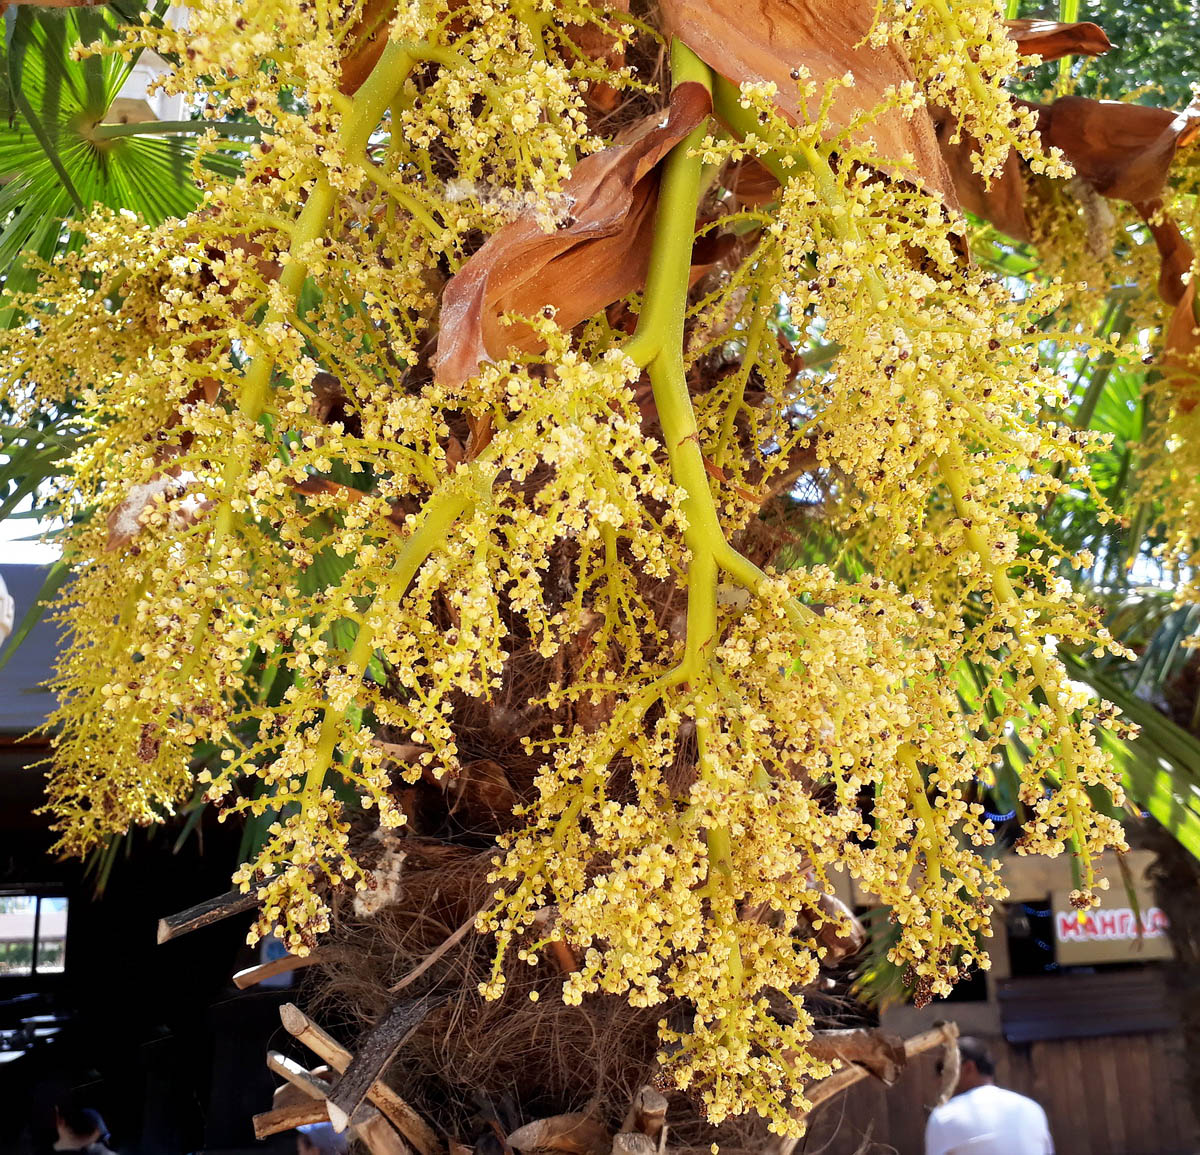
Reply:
x=983, y=1119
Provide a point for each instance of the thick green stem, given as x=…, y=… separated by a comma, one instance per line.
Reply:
x=928, y=837
x=658, y=344
x=362, y=118
x=779, y=162
x=437, y=517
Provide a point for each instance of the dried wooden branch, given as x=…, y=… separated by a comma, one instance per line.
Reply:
x=943, y=1034
x=882, y=1054
x=404, y=1118
x=380, y=1137
x=577, y=1134
x=647, y=1113
x=367, y=1123
x=203, y=913
x=289, y=1117
x=280, y=966
x=376, y=1050
x=951, y=1068
x=298, y=1076
x=286, y=1095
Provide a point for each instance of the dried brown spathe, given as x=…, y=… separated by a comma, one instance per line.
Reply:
x=1180, y=351
x=766, y=40
x=598, y=255
x=1050, y=39
x=1002, y=201
x=1124, y=151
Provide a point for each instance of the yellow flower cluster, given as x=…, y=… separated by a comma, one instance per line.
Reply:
x=962, y=55
x=209, y=352
x=698, y=889
x=934, y=418
x=275, y=483
x=1090, y=244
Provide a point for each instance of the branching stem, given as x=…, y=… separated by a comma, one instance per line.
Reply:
x=365, y=112
x=952, y=468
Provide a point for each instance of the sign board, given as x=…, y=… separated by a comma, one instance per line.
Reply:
x=1109, y=933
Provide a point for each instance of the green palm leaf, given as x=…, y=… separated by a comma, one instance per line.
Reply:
x=58, y=159
x=1160, y=769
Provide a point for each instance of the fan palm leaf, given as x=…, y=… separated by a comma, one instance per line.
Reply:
x=58, y=157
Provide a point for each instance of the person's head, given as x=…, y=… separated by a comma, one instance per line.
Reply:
x=320, y=1139
x=79, y=1126
x=975, y=1066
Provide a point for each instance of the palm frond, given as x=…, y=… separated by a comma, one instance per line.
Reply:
x=58, y=158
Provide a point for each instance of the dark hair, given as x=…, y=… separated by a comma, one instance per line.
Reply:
x=976, y=1051
x=81, y=1121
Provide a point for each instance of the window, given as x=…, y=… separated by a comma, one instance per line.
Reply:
x=33, y=934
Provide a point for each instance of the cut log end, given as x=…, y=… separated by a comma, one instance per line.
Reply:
x=293, y=1018
x=337, y=1117
x=633, y=1143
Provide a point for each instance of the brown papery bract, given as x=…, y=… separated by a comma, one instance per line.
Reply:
x=1050, y=39
x=599, y=254
x=1179, y=353
x=366, y=40
x=596, y=44
x=766, y=40
x=1002, y=201
x=1124, y=151
x=1173, y=249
